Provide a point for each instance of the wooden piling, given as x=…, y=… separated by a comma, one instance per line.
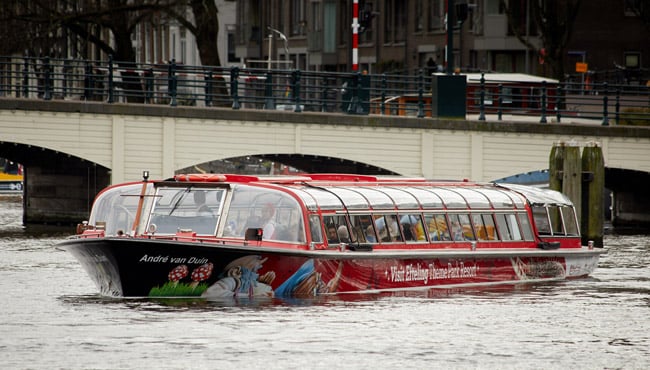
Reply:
x=593, y=190
x=581, y=179
x=565, y=172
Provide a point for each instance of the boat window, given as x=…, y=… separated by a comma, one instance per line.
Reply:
x=541, y=220
x=526, y=228
x=484, y=226
x=426, y=198
x=314, y=226
x=474, y=199
x=498, y=198
x=412, y=228
x=461, y=228
x=188, y=209
x=115, y=208
x=352, y=199
x=402, y=199
x=332, y=224
x=387, y=228
x=277, y=213
x=437, y=227
x=450, y=198
x=325, y=199
x=362, y=228
x=502, y=226
x=570, y=222
x=377, y=198
x=514, y=226
x=557, y=226
x=307, y=199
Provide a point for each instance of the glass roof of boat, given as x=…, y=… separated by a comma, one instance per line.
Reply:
x=539, y=196
x=408, y=197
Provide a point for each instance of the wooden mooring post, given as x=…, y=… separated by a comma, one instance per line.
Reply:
x=582, y=179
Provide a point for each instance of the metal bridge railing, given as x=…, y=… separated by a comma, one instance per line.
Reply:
x=301, y=91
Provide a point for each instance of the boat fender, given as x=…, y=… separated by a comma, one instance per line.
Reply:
x=360, y=247
x=254, y=233
x=548, y=245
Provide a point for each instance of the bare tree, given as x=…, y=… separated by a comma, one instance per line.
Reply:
x=554, y=21
x=203, y=24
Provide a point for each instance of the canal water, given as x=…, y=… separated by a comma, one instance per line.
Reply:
x=52, y=318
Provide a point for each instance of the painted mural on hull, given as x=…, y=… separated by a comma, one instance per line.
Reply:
x=256, y=275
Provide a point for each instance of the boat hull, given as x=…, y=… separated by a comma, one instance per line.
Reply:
x=131, y=267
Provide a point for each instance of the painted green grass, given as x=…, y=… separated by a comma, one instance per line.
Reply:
x=170, y=289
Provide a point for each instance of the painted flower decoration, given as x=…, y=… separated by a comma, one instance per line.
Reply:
x=178, y=273
x=201, y=273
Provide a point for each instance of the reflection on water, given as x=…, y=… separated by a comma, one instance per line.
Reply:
x=53, y=318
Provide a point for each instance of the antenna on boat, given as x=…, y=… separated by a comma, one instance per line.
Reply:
x=145, y=175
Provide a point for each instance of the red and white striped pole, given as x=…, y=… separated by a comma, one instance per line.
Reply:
x=355, y=35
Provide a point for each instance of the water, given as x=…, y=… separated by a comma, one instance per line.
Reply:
x=52, y=318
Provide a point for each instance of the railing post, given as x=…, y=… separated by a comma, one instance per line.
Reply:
x=354, y=105
x=47, y=80
x=618, y=105
x=26, y=77
x=88, y=81
x=543, y=117
x=268, y=91
x=148, y=85
x=481, y=115
x=605, y=103
x=323, y=103
x=295, y=88
x=208, y=89
x=171, y=83
x=384, y=85
x=111, y=88
x=64, y=77
x=234, y=86
x=558, y=102
x=500, y=100
x=420, y=94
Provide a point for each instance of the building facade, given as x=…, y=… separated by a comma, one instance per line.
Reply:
x=408, y=35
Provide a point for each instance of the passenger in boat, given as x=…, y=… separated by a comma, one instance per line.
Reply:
x=387, y=234
x=332, y=236
x=370, y=235
x=457, y=231
x=201, y=207
x=344, y=235
x=268, y=220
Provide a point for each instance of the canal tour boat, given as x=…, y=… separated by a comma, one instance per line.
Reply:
x=235, y=236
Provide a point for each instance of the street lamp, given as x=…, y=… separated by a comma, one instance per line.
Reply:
x=283, y=38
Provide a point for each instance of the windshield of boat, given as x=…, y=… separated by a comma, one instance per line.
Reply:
x=189, y=208
x=277, y=213
x=114, y=209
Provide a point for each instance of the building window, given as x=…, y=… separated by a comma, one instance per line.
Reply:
x=632, y=60
x=395, y=21
x=298, y=17
x=419, y=17
x=436, y=15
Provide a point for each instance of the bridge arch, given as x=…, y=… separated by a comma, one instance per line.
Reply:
x=258, y=163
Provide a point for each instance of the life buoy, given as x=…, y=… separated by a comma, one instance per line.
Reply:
x=200, y=177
